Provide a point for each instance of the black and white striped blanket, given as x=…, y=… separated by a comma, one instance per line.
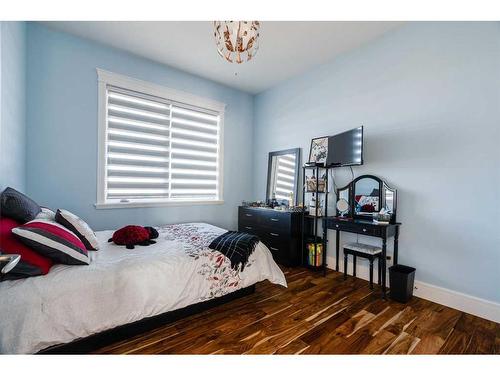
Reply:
x=237, y=246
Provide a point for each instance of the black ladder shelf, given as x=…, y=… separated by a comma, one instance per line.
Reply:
x=310, y=222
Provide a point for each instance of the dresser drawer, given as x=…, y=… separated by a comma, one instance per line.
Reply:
x=248, y=216
x=275, y=221
x=273, y=235
x=279, y=246
x=248, y=228
x=276, y=251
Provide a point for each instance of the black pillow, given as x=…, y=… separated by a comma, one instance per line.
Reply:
x=18, y=206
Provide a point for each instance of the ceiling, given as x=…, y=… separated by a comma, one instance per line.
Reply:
x=286, y=48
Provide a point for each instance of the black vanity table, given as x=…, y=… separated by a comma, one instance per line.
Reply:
x=362, y=198
x=366, y=228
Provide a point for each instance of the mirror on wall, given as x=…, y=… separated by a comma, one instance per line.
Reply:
x=283, y=175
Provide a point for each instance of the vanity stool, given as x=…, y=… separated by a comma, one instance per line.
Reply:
x=369, y=252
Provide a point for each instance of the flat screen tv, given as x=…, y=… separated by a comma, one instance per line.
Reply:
x=346, y=148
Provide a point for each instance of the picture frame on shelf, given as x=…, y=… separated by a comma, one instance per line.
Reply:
x=318, y=151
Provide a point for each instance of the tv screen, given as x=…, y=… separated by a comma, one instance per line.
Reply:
x=346, y=148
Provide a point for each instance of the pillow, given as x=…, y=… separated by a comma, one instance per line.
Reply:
x=46, y=214
x=31, y=263
x=53, y=241
x=78, y=227
x=18, y=206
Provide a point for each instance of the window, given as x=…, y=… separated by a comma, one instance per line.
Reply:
x=156, y=145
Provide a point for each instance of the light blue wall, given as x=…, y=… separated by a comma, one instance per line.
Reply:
x=428, y=96
x=62, y=130
x=13, y=105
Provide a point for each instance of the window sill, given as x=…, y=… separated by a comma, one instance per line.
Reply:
x=104, y=206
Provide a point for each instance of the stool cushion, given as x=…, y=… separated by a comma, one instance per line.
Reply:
x=363, y=248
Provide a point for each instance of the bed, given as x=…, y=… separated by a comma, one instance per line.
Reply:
x=122, y=286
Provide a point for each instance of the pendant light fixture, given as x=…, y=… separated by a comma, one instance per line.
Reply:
x=237, y=41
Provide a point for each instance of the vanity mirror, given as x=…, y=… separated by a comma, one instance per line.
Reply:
x=370, y=195
x=342, y=206
x=366, y=195
x=343, y=201
x=282, y=175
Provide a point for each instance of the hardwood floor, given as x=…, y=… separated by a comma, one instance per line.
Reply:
x=315, y=315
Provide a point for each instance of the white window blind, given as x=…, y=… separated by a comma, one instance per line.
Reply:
x=159, y=150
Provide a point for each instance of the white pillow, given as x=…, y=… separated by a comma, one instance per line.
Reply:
x=46, y=214
x=78, y=227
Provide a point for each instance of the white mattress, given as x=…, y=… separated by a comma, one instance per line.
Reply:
x=118, y=287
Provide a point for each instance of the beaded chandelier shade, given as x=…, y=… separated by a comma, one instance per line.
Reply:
x=237, y=41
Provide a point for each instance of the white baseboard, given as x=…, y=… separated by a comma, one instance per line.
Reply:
x=476, y=306
x=472, y=305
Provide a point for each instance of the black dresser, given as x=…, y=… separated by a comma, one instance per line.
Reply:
x=280, y=231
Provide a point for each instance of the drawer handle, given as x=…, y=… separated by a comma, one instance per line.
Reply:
x=248, y=228
x=275, y=220
x=274, y=234
x=274, y=249
x=249, y=215
x=364, y=230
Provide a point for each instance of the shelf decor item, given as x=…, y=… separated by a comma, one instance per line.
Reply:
x=315, y=207
x=319, y=150
x=311, y=184
x=382, y=217
x=237, y=41
x=315, y=258
x=313, y=211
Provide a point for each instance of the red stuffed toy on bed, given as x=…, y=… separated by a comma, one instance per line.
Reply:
x=132, y=235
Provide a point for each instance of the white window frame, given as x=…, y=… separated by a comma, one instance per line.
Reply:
x=106, y=78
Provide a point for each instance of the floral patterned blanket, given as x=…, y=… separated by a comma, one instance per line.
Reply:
x=195, y=238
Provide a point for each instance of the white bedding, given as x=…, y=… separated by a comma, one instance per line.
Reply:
x=122, y=286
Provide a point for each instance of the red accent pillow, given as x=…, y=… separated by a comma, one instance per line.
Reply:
x=32, y=263
x=53, y=240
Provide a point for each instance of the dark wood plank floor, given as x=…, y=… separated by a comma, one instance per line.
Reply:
x=317, y=314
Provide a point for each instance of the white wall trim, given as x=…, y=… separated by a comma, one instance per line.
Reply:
x=173, y=203
x=150, y=88
x=464, y=302
x=102, y=146
x=476, y=306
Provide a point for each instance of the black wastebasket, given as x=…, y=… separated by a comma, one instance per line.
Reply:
x=401, y=279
